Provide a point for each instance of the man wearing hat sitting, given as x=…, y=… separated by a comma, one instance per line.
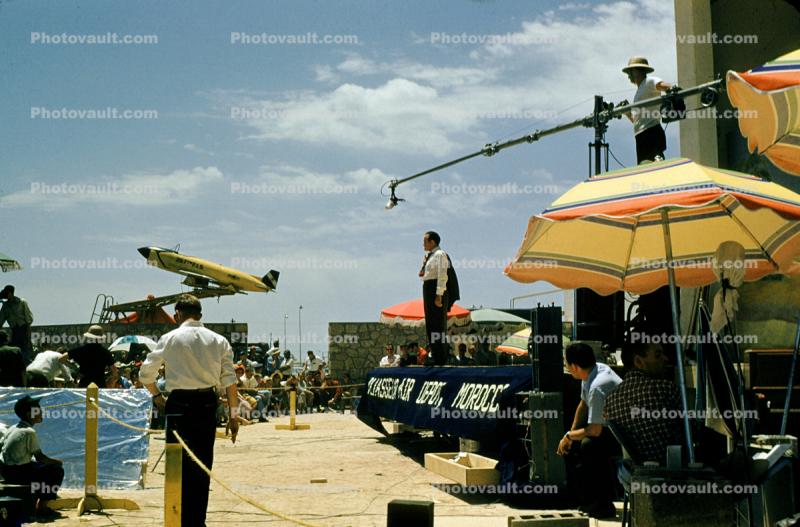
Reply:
x=93, y=358
x=23, y=462
x=650, y=139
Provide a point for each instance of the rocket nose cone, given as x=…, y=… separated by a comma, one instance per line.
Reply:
x=144, y=251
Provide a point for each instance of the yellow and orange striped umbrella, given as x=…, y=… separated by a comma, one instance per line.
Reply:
x=768, y=100
x=608, y=234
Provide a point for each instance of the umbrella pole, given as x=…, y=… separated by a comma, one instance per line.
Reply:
x=676, y=328
x=790, y=388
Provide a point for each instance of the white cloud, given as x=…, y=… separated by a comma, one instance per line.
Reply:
x=400, y=115
x=194, y=148
x=356, y=65
x=296, y=181
x=554, y=61
x=128, y=190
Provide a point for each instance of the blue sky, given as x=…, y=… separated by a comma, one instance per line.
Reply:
x=273, y=155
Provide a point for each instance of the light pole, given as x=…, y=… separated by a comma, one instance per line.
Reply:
x=300, y=331
x=285, y=318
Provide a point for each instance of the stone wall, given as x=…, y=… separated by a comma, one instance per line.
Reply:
x=357, y=347
x=71, y=335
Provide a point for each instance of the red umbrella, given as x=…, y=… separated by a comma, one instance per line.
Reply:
x=412, y=313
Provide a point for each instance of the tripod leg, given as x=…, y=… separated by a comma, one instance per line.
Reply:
x=161, y=455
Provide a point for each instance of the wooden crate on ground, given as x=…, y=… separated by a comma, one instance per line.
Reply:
x=469, y=469
x=393, y=427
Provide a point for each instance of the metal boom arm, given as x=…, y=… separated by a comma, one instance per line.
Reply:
x=602, y=117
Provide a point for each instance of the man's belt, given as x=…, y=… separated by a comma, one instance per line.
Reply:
x=195, y=390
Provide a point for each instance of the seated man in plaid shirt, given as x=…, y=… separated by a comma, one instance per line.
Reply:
x=646, y=406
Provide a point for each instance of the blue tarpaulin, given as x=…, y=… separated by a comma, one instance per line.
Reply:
x=474, y=403
x=122, y=452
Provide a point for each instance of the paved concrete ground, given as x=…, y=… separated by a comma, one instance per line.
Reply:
x=364, y=471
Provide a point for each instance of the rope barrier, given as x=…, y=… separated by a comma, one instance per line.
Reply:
x=308, y=387
x=226, y=487
x=122, y=423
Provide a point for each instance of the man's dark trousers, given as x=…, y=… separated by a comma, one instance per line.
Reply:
x=21, y=338
x=435, y=323
x=192, y=413
x=650, y=143
x=595, y=469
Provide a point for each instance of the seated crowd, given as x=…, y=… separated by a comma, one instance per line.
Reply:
x=411, y=354
x=265, y=376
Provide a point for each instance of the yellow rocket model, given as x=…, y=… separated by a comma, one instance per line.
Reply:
x=205, y=274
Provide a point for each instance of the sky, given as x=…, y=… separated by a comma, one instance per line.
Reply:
x=259, y=134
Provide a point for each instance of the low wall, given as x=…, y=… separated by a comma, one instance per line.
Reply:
x=71, y=335
x=357, y=347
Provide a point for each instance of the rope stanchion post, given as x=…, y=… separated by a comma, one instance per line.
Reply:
x=292, y=413
x=173, y=483
x=90, y=500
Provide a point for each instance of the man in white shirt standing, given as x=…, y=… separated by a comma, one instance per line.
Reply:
x=197, y=360
x=313, y=364
x=436, y=294
x=650, y=139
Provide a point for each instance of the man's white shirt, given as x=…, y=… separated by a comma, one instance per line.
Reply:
x=436, y=269
x=314, y=364
x=386, y=362
x=196, y=358
x=248, y=384
x=644, y=118
x=49, y=364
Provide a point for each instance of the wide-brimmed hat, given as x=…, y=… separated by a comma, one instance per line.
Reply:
x=95, y=332
x=638, y=63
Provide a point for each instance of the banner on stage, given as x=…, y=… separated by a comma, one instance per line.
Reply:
x=473, y=403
